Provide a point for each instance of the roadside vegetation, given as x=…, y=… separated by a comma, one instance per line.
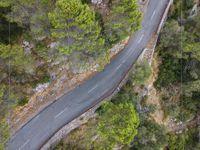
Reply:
x=178, y=85
x=34, y=34
x=179, y=74
x=179, y=69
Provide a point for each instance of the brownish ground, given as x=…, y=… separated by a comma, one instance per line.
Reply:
x=154, y=95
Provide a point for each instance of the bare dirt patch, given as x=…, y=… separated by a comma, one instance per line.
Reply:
x=154, y=95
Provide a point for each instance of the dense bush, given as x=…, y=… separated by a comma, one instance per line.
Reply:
x=140, y=73
x=185, y=141
x=124, y=18
x=117, y=125
x=75, y=26
x=151, y=136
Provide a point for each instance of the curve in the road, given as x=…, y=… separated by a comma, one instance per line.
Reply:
x=39, y=129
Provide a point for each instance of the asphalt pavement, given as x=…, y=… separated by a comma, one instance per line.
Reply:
x=37, y=131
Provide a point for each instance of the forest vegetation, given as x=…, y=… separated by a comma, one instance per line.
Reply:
x=178, y=84
x=34, y=34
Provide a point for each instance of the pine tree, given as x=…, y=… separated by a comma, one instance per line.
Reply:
x=118, y=124
x=15, y=56
x=75, y=27
x=31, y=14
x=124, y=19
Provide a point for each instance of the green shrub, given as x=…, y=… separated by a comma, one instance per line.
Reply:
x=23, y=101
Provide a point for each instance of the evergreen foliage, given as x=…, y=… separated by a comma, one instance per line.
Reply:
x=75, y=28
x=4, y=133
x=31, y=14
x=123, y=20
x=151, y=136
x=140, y=73
x=74, y=25
x=118, y=124
x=15, y=57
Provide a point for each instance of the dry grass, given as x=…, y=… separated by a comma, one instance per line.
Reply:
x=154, y=96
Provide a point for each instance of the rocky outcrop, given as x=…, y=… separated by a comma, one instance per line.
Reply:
x=97, y=2
x=195, y=9
x=27, y=46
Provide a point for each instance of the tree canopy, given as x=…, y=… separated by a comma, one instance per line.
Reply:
x=115, y=129
x=15, y=56
x=31, y=14
x=124, y=18
x=75, y=26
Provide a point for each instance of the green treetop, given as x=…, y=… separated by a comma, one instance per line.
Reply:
x=31, y=14
x=124, y=18
x=74, y=25
x=193, y=49
x=15, y=56
x=118, y=124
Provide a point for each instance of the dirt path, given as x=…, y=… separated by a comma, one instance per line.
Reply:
x=153, y=95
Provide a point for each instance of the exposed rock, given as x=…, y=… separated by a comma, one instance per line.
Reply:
x=39, y=63
x=118, y=47
x=53, y=44
x=96, y=2
x=194, y=11
x=41, y=87
x=78, y=65
x=52, y=76
x=27, y=46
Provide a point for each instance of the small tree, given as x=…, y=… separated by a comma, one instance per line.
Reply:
x=15, y=56
x=177, y=142
x=151, y=136
x=74, y=25
x=124, y=19
x=118, y=124
x=141, y=73
x=31, y=14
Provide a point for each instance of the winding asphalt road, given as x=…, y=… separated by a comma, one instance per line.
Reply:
x=37, y=131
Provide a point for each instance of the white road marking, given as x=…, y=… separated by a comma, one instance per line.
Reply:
x=24, y=144
x=118, y=67
x=104, y=92
x=60, y=113
x=141, y=38
x=129, y=53
x=153, y=14
x=92, y=89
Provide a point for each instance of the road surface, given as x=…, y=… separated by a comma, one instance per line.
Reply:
x=37, y=131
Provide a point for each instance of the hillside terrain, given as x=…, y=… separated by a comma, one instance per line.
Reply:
x=169, y=112
x=45, y=43
x=49, y=47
